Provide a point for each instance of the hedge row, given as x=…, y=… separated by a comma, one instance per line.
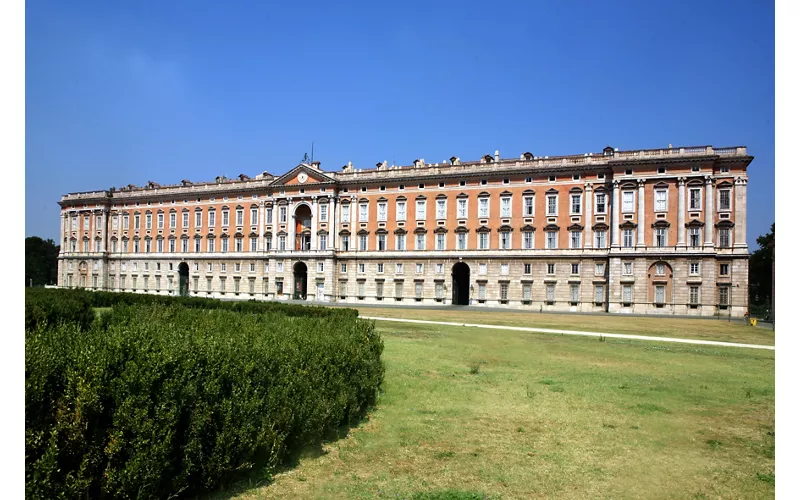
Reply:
x=52, y=306
x=160, y=401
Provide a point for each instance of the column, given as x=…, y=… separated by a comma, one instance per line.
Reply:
x=64, y=226
x=740, y=212
x=709, y=239
x=640, y=216
x=588, y=242
x=104, y=232
x=681, y=211
x=334, y=223
x=314, y=216
x=615, y=217
x=262, y=224
x=291, y=223
x=275, y=214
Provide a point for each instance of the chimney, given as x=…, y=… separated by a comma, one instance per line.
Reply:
x=315, y=164
x=496, y=155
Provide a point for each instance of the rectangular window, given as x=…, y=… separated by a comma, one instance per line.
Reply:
x=420, y=242
x=185, y=245
x=505, y=240
x=136, y=220
x=362, y=242
x=282, y=215
x=723, y=269
x=419, y=268
x=527, y=206
x=224, y=245
x=212, y=219
x=600, y=203
x=282, y=242
x=505, y=207
x=575, y=239
x=574, y=293
x=381, y=242
x=481, y=291
x=724, y=199
x=86, y=223
x=627, y=294
x=551, y=269
x=661, y=200
x=185, y=219
x=550, y=293
x=238, y=244
x=504, y=292
x=552, y=239
x=253, y=244
x=401, y=210
x=346, y=212
x=599, y=294
x=380, y=267
x=126, y=221
x=148, y=221
x=279, y=287
x=694, y=295
x=661, y=237
x=724, y=237
x=379, y=289
x=504, y=269
x=526, y=292
x=576, y=204
x=439, y=290
x=694, y=198
x=483, y=241
x=527, y=268
x=398, y=268
x=441, y=209
x=400, y=241
x=552, y=204
x=420, y=210
x=461, y=240
x=483, y=207
x=253, y=216
x=398, y=290
x=361, y=289
x=345, y=243
x=439, y=268
x=575, y=269
x=363, y=212
x=172, y=245
x=279, y=267
x=660, y=293
x=694, y=268
x=627, y=201
x=660, y=269
x=600, y=239
x=382, y=211
x=461, y=205
x=320, y=267
x=198, y=219
x=440, y=240
x=482, y=268
x=627, y=238
x=694, y=237
x=225, y=218
x=173, y=219
x=527, y=240
x=599, y=269
x=627, y=268
x=323, y=241
x=114, y=223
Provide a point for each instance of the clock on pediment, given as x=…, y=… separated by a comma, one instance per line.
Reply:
x=302, y=178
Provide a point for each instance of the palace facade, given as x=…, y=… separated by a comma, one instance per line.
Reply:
x=647, y=231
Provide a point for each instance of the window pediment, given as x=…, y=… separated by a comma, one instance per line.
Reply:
x=694, y=223
x=724, y=224
x=400, y=231
x=660, y=224
x=527, y=228
x=551, y=227
x=575, y=227
x=600, y=226
x=628, y=225
x=483, y=229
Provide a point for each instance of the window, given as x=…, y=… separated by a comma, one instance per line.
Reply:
x=86, y=223
x=323, y=212
x=629, y=172
x=114, y=223
x=439, y=290
x=173, y=219
x=600, y=202
x=527, y=268
x=724, y=199
x=575, y=269
x=237, y=267
x=724, y=269
x=380, y=267
x=126, y=222
x=694, y=236
x=160, y=221
x=401, y=210
x=462, y=208
x=439, y=268
x=483, y=241
x=505, y=207
x=505, y=240
x=420, y=242
x=421, y=186
x=552, y=239
x=440, y=241
x=420, y=214
x=320, y=267
x=661, y=237
x=398, y=268
x=362, y=242
x=379, y=289
x=400, y=241
x=185, y=245
x=627, y=268
x=185, y=219
x=136, y=219
x=481, y=292
x=482, y=268
x=527, y=240
x=253, y=216
x=575, y=239
x=269, y=215
x=461, y=241
x=600, y=238
x=282, y=214
x=363, y=212
x=694, y=268
x=484, y=182
x=724, y=237
x=552, y=204
x=574, y=293
x=599, y=269
x=381, y=242
x=694, y=199
x=224, y=245
x=504, y=292
x=694, y=295
x=526, y=292
x=441, y=209
x=551, y=268
x=382, y=211
x=253, y=244
x=279, y=287
x=345, y=243
x=282, y=242
x=551, y=178
x=238, y=247
x=661, y=200
x=212, y=219
x=660, y=269
x=419, y=268
x=223, y=267
x=627, y=294
x=172, y=245
x=550, y=293
x=627, y=238
x=576, y=204
x=418, y=291
x=398, y=290
x=660, y=293
x=504, y=269
x=527, y=206
x=343, y=268
x=627, y=201
x=346, y=212
x=148, y=221
x=252, y=267
x=483, y=207
x=661, y=170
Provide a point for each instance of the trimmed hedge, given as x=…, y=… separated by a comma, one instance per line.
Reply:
x=50, y=306
x=159, y=401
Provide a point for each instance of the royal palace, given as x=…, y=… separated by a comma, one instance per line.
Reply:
x=659, y=231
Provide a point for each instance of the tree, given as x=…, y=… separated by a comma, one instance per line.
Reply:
x=761, y=270
x=41, y=261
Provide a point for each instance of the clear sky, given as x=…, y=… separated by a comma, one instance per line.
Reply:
x=125, y=92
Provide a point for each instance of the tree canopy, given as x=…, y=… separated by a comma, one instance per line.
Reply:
x=41, y=261
x=761, y=269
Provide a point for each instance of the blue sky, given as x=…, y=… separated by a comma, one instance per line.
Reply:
x=126, y=92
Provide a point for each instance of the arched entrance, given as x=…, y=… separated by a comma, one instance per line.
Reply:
x=300, y=280
x=460, y=284
x=183, y=279
x=302, y=227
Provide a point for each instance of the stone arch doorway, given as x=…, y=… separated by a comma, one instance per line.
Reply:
x=183, y=279
x=300, y=280
x=460, y=284
x=302, y=227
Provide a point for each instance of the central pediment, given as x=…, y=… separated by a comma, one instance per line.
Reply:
x=301, y=175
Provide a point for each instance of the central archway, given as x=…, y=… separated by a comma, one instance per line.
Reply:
x=460, y=284
x=302, y=228
x=183, y=279
x=300, y=280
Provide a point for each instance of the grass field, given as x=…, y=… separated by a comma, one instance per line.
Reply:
x=519, y=415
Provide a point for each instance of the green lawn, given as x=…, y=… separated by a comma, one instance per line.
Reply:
x=520, y=415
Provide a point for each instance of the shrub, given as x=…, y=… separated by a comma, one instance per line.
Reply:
x=159, y=401
x=48, y=306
